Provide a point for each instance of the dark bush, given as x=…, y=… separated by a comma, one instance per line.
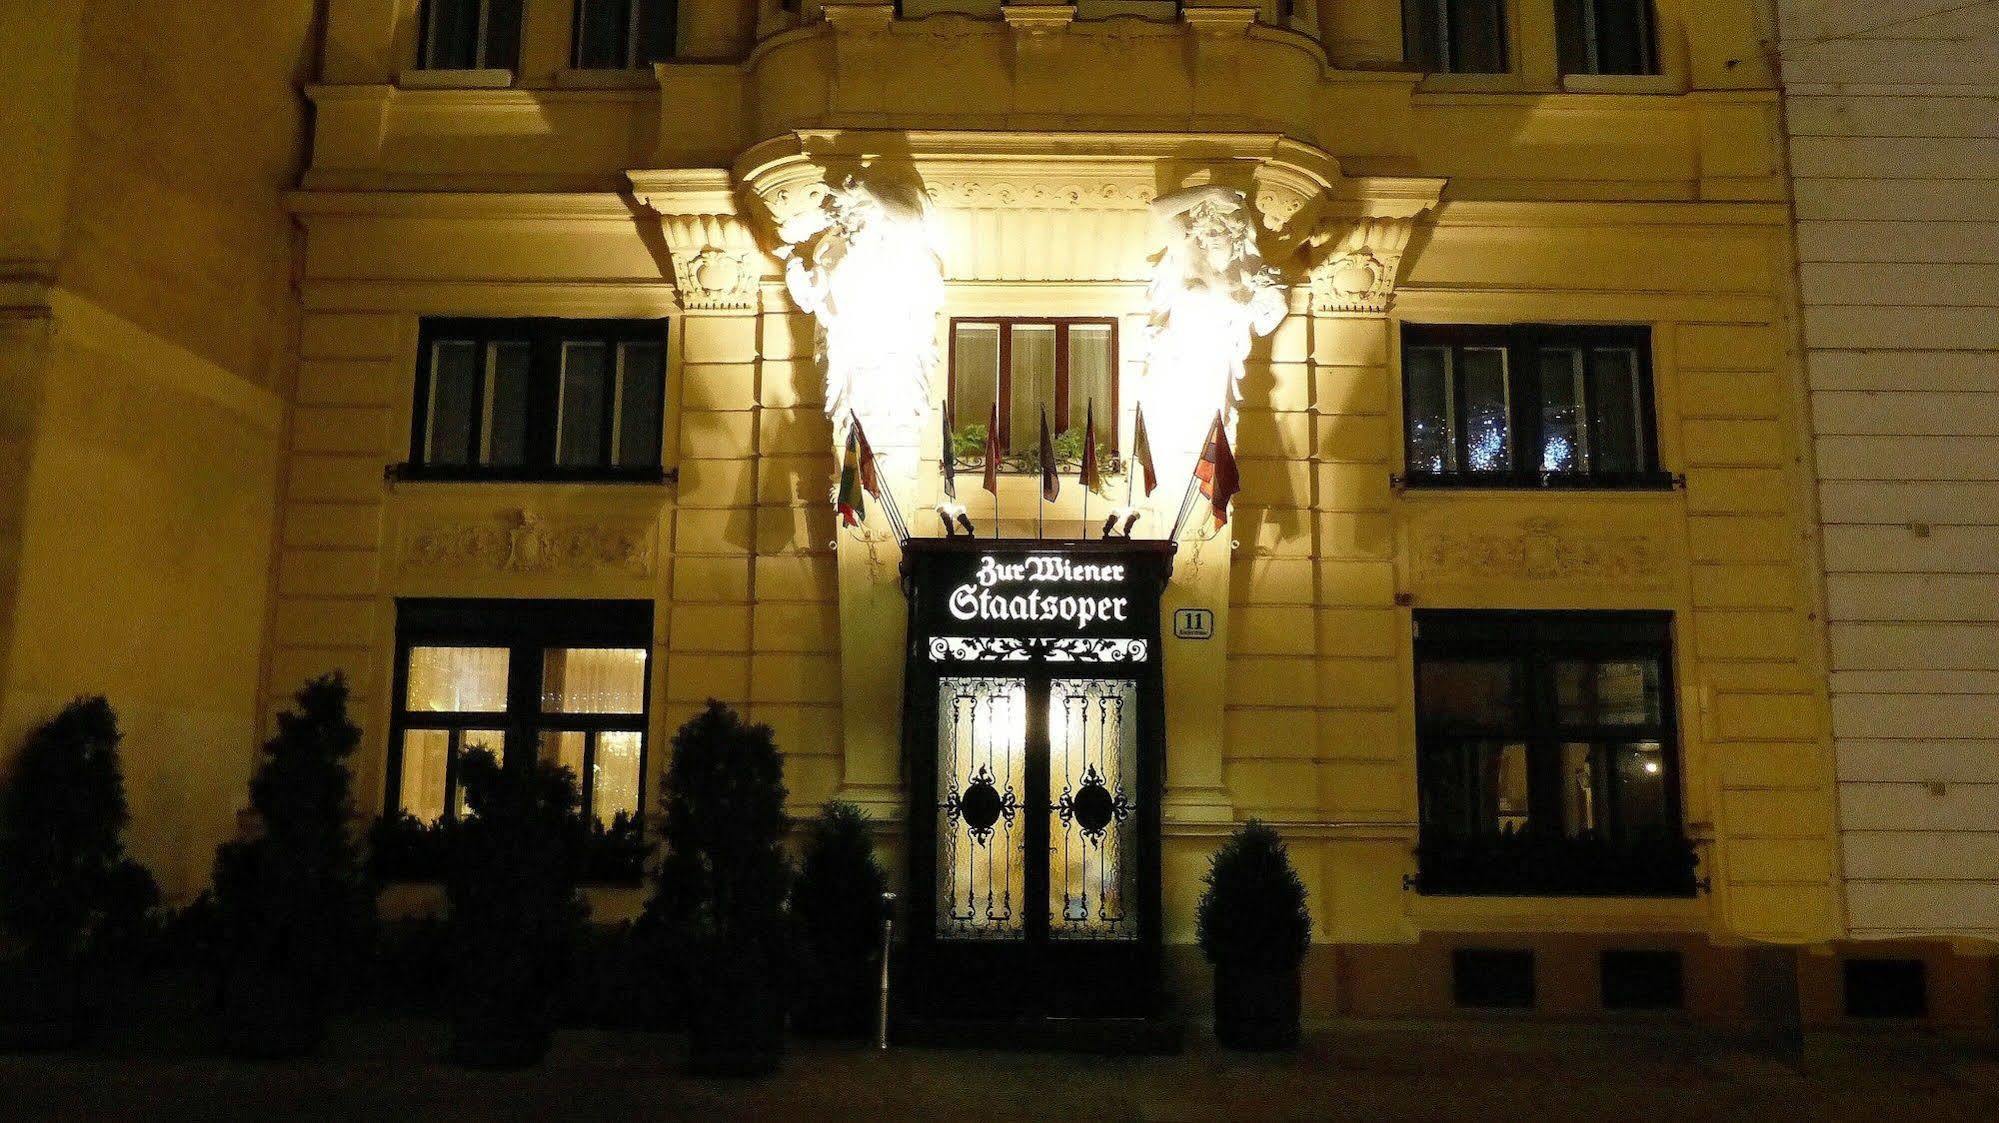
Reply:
x=293, y=903
x=1254, y=929
x=516, y=915
x=837, y=905
x=717, y=907
x=402, y=847
x=70, y=900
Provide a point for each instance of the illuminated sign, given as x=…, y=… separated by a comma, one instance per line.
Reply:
x=1043, y=588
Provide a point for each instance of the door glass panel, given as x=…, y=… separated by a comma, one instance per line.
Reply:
x=1090, y=381
x=981, y=835
x=564, y=747
x=1621, y=692
x=1468, y=692
x=1620, y=429
x=1092, y=780
x=505, y=430
x=1564, y=434
x=974, y=374
x=586, y=389
x=1426, y=377
x=454, y=367
x=641, y=387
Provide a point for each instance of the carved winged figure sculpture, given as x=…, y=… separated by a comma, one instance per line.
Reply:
x=865, y=264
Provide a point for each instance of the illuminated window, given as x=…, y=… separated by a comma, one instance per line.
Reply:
x=564, y=680
x=1064, y=369
x=623, y=34
x=1605, y=37
x=1529, y=406
x=1455, y=36
x=469, y=35
x=1546, y=753
x=539, y=398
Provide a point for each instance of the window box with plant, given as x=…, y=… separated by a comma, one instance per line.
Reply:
x=1023, y=370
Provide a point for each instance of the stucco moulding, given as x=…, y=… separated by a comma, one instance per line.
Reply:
x=1300, y=194
x=716, y=261
x=522, y=543
x=1537, y=550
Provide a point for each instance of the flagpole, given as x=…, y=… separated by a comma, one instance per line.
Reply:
x=1193, y=481
x=1090, y=452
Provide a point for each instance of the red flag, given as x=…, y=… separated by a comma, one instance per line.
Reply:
x=1051, y=483
x=869, y=478
x=1220, y=479
x=1141, y=451
x=851, y=506
x=993, y=452
x=1089, y=476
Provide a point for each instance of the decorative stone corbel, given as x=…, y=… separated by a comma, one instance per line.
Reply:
x=716, y=263
x=1357, y=274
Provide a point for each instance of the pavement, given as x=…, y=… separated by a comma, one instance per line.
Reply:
x=1456, y=1070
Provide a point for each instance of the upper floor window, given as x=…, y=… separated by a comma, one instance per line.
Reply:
x=623, y=34
x=469, y=35
x=1063, y=369
x=1529, y=406
x=1455, y=36
x=539, y=399
x=1546, y=754
x=565, y=681
x=1605, y=37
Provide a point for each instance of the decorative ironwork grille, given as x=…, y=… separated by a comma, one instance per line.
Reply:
x=981, y=835
x=1092, y=778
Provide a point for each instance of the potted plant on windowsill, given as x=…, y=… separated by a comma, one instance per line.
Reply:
x=294, y=905
x=516, y=915
x=1254, y=929
x=70, y=900
x=837, y=903
x=719, y=896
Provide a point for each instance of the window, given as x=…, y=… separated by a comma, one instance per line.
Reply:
x=539, y=399
x=1605, y=37
x=1885, y=988
x=1492, y=978
x=1530, y=406
x=1064, y=368
x=623, y=34
x=565, y=681
x=469, y=35
x=1455, y=36
x=1546, y=758
x=1640, y=980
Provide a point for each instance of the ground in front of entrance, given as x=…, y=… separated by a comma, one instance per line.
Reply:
x=1352, y=1071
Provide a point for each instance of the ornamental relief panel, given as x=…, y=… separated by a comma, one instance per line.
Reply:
x=1542, y=550
x=522, y=543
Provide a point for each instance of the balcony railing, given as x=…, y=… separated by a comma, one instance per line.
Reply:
x=1540, y=864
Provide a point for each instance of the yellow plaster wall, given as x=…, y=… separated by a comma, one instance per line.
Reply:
x=145, y=270
x=1652, y=200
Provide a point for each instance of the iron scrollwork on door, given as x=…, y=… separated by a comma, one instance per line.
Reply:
x=981, y=771
x=1093, y=757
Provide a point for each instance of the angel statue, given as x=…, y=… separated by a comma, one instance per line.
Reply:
x=1210, y=291
x=865, y=262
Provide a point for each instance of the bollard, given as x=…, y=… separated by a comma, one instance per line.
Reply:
x=888, y=928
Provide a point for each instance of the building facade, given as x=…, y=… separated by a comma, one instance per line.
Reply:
x=1515, y=628
x=1892, y=150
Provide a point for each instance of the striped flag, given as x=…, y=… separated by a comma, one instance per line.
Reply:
x=1141, y=451
x=950, y=461
x=852, y=507
x=870, y=479
x=1217, y=470
x=993, y=452
x=1090, y=477
x=1051, y=481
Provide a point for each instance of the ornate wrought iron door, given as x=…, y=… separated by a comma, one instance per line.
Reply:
x=1093, y=774
x=981, y=834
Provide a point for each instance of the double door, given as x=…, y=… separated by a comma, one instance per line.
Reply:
x=1040, y=853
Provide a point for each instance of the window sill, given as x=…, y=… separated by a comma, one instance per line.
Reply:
x=604, y=78
x=488, y=79
x=1498, y=82
x=431, y=473
x=1466, y=481
x=1622, y=84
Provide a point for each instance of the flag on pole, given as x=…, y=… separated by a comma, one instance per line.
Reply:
x=870, y=479
x=1141, y=452
x=1051, y=482
x=993, y=453
x=950, y=461
x=1090, y=476
x=1217, y=470
x=852, y=507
